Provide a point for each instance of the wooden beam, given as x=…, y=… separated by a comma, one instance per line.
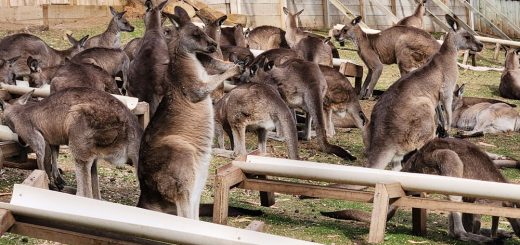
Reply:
x=38, y=178
x=266, y=198
x=226, y=177
x=493, y=26
x=142, y=111
x=326, y=14
x=346, y=11
x=6, y=220
x=352, y=70
x=256, y=225
x=379, y=214
x=388, y=13
x=10, y=149
x=492, y=8
x=448, y=11
x=30, y=164
x=393, y=7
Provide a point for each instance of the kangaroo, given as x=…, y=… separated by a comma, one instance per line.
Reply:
x=463, y=159
x=94, y=124
x=415, y=20
x=132, y=47
x=176, y=147
x=403, y=119
x=110, y=38
x=147, y=71
x=7, y=70
x=233, y=36
x=25, y=45
x=266, y=38
x=409, y=48
x=510, y=81
x=261, y=108
x=341, y=100
x=333, y=33
x=113, y=61
x=71, y=75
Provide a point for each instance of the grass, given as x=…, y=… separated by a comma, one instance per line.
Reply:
x=290, y=216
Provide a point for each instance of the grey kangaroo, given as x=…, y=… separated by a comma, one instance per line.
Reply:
x=403, y=119
x=233, y=36
x=510, y=81
x=416, y=19
x=409, y=48
x=146, y=77
x=94, y=124
x=266, y=38
x=7, y=70
x=25, y=45
x=110, y=38
x=176, y=147
x=113, y=61
x=258, y=107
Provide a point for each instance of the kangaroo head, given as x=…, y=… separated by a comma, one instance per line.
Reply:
x=152, y=17
x=512, y=58
x=212, y=28
x=464, y=40
x=77, y=46
x=457, y=97
x=190, y=37
x=14, y=110
x=121, y=21
x=7, y=74
x=348, y=30
x=290, y=20
x=37, y=76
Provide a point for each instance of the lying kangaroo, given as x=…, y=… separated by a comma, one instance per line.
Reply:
x=147, y=71
x=416, y=19
x=176, y=148
x=94, y=124
x=510, y=80
x=266, y=38
x=459, y=158
x=71, y=75
x=404, y=118
x=261, y=108
x=113, y=61
x=340, y=100
x=233, y=36
x=409, y=48
x=7, y=70
x=25, y=45
x=110, y=38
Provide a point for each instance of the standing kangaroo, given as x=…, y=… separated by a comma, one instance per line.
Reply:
x=176, y=146
x=415, y=20
x=113, y=61
x=111, y=37
x=510, y=81
x=403, y=119
x=94, y=124
x=409, y=48
x=462, y=159
x=25, y=45
x=259, y=107
x=147, y=70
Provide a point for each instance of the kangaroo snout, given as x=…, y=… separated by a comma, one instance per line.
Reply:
x=212, y=47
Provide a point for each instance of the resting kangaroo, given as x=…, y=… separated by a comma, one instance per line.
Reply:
x=113, y=61
x=459, y=158
x=415, y=20
x=25, y=45
x=261, y=108
x=233, y=36
x=7, y=70
x=403, y=119
x=176, y=147
x=409, y=48
x=147, y=71
x=71, y=75
x=110, y=38
x=510, y=80
x=94, y=124
x=266, y=38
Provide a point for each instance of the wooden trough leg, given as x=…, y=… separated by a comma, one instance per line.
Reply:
x=266, y=198
x=419, y=217
x=38, y=178
x=379, y=213
x=226, y=177
x=497, y=51
x=6, y=221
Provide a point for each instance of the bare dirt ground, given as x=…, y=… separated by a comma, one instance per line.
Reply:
x=290, y=216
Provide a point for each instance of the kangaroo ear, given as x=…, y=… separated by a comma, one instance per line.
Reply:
x=173, y=18
x=71, y=39
x=83, y=40
x=517, y=51
x=32, y=63
x=285, y=10
x=326, y=40
x=12, y=60
x=269, y=65
x=247, y=32
x=452, y=22
x=4, y=104
x=253, y=70
x=299, y=12
x=460, y=90
x=24, y=98
x=356, y=20
x=182, y=14
x=113, y=11
x=162, y=5
x=221, y=20
x=149, y=5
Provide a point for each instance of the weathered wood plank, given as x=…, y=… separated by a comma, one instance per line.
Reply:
x=6, y=220
x=38, y=178
x=379, y=214
x=226, y=177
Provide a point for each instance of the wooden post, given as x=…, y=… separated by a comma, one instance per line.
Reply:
x=45, y=10
x=497, y=51
x=326, y=14
x=379, y=214
x=419, y=217
x=6, y=220
x=352, y=70
x=362, y=9
x=283, y=3
x=393, y=6
x=38, y=178
x=226, y=177
x=266, y=198
x=465, y=59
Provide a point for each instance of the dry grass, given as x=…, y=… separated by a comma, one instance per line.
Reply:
x=290, y=216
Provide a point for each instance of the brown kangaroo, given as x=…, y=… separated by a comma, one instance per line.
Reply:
x=403, y=119
x=409, y=48
x=110, y=38
x=266, y=38
x=147, y=71
x=25, y=45
x=7, y=70
x=233, y=36
x=71, y=75
x=132, y=47
x=261, y=108
x=113, y=61
x=416, y=19
x=510, y=81
x=94, y=124
x=463, y=159
x=340, y=100
x=176, y=147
